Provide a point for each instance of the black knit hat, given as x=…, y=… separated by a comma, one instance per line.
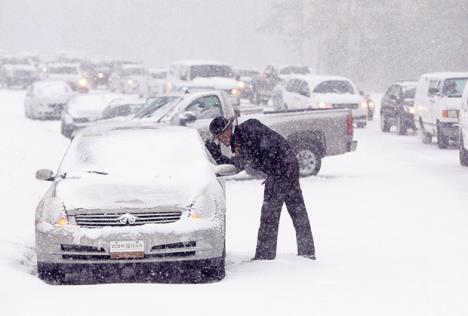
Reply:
x=219, y=124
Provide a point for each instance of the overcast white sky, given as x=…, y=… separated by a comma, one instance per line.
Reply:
x=155, y=32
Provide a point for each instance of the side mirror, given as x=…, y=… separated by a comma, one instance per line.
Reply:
x=187, y=117
x=45, y=175
x=433, y=91
x=225, y=170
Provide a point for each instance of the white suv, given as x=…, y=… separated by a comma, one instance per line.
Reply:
x=437, y=105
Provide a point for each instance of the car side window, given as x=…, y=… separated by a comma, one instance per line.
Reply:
x=206, y=107
x=289, y=85
x=303, y=88
x=433, y=84
x=183, y=73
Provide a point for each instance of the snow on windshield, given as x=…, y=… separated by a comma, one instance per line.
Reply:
x=206, y=71
x=453, y=87
x=138, y=152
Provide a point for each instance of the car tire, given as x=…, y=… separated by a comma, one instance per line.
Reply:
x=384, y=125
x=463, y=153
x=309, y=158
x=442, y=140
x=400, y=126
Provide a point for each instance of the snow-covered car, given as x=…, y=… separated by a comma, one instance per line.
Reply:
x=437, y=105
x=144, y=197
x=69, y=73
x=81, y=111
x=46, y=99
x=397, y=107
x=463, y=129
x=20, y=76
x=325, y=92
x=121, y=108
x=197, y=73
x=157, y=81
x=130, y=78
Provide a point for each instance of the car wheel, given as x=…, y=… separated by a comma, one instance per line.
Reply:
x=462, y=152
x=400, y=126
x=310, y=160
x=384, y=125
x=442, y=139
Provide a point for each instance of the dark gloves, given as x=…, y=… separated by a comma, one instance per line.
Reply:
x=215, y=151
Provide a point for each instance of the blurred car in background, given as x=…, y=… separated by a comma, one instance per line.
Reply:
x=196, y=73
x=46, y=99
x=142, y=197
x=437, y=106
x=288, y=71
x=130, y=78
x=69, y=73
x=325, y=92
x=19, y=75
x=157, y=81
x=264, y=85
x=83, y=110
x=370, y=105
x=245, y=77
x=121, y=108
x=397, y=107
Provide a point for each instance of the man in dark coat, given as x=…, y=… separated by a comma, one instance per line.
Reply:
x=259, y=147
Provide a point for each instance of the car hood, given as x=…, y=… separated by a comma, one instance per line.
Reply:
x=216, y=82
x=90, y=114
x=335, y=98
x=54, y=98
x=97, y=192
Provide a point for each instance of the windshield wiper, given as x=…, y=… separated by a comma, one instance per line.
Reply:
x=97, y=172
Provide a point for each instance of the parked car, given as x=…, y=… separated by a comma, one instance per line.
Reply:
x=245, y=77
x=120, y=108
x=463, y=129
x=69, y=73
x=437, y=106
x=81, y=111
x=197, y=73
x=20, y=76
x=130, y=78
x=117, y=203
x=46, y=99
x=397, y=107
x=370, y=105
x=157, y=81
x=313, y=134
x=325, y=92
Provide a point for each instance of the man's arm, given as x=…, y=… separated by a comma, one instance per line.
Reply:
x=215, y=151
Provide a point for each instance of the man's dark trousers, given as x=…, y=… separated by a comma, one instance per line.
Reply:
x=279, y=190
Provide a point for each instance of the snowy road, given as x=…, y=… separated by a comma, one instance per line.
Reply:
x=390, y=224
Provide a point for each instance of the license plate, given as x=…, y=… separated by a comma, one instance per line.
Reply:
x=127, y=249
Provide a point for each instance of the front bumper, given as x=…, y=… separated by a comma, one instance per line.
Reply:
x=181, y=241
x=53, y=111
x=359, y=115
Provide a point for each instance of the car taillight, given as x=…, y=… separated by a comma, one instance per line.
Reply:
x=349, y=125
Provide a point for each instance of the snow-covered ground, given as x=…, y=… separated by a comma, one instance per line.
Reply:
x=389, y=221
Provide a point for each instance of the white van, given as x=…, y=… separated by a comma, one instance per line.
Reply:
x=201, y=74
x=437, y=105
x=463, y=130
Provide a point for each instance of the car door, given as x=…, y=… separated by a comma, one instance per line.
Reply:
x=304, y=95
x=386, y=106
x=434, y=99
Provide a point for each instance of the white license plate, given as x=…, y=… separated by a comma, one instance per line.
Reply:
x=127, y=249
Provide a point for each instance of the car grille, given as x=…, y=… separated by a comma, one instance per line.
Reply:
x=346, y=105
x=112, y=219
x=56, y=106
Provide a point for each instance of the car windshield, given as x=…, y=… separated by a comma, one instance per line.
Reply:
x=52, y=88
x=206, y=71
x=137, y=152
x=63, y=70
x=453, y=88
x=157, y=107
x=159, y=75
x=294, y=70
x=334, y=86
x=83, y=104
x=136, y=71
x=408, y=92
x=121, y=110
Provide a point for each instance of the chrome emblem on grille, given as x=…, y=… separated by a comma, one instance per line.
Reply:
x=127, y=219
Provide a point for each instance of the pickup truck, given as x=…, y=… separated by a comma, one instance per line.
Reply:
x=313, y=134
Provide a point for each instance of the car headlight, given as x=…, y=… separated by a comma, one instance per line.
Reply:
x=409, y=109
x=83, y=82
x=363, y=104
x=44, y=69
x=130, y=82
x=241, y=84
x=202, y=208
x=324, y=105
x=53, y=212
x=371, y=104
x=100, y=75
x=235, y=92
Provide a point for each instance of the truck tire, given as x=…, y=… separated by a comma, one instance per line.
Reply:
x=442, y=139
x=462, y=152
x=384, y=125
x=309, y=157
x=400, y=126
